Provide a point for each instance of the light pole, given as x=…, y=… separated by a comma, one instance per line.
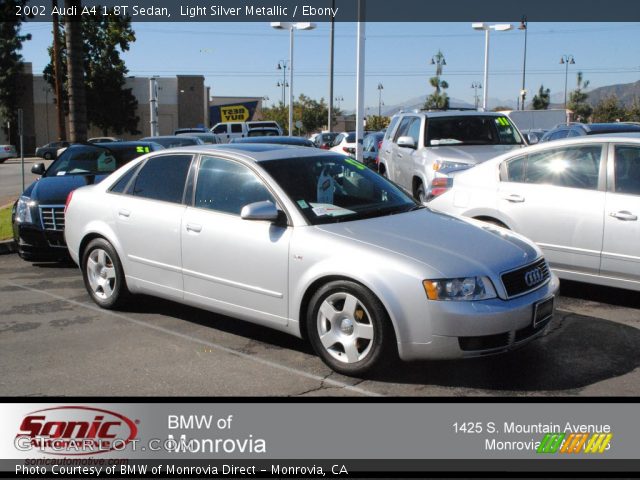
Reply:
x=380, y=88
x=566, y=60
x=46, y=91
x=282, y=65
x=524, y=26
x=338, y=100
x=291, y=26
x=476, y=86
x=499, y=27
x=439, y=61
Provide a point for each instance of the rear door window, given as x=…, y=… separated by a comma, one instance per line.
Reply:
x=163, y=178
x=236, y=128
x=627, y=169
x=573, y=167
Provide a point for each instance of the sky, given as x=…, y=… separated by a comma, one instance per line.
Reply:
x=240, y=59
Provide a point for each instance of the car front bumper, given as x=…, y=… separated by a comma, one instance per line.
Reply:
x=474, y=329
x=36, y=244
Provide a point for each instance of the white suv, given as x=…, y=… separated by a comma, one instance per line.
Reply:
x=420, y=146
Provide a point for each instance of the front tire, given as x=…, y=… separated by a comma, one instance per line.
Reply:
x=349, y=328
x=421, y=193
x=103, y=275
x=47, y=156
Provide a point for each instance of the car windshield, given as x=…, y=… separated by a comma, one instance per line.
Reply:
x=471, y=130
x=91, y=160
x=334, y=188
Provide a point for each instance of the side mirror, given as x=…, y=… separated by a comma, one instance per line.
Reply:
x=264, y=210
x=532, y=138
x=407, y=142
x=38, y=169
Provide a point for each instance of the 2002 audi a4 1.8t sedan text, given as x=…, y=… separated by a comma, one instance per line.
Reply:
x=312, y=243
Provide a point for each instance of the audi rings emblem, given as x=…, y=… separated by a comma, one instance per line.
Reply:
x=533, y=277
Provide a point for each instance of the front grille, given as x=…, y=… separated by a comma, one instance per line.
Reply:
x=526, y=279
x=52, y=217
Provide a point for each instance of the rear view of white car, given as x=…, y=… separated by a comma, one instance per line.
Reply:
x=7, y=151
x=578, y=199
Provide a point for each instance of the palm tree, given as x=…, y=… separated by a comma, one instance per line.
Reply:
x=75, y=71
x=542, y=100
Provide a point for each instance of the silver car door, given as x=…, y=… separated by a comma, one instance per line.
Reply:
x=233, y=265
x=147, y=220
x=556, y=198
x=621, y=247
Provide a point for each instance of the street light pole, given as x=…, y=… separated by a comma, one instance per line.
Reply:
x=380, y=88
x=282, y=65
x=291, y=26
x=566, y=60
x=499, y=27
x=476, y=86
x=524, y=26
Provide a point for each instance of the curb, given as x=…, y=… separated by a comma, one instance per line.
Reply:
x=8, y=246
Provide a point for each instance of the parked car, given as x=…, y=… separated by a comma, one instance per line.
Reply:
x=50, y=150
x=570, y=130
x=370, y=147
x=172, y=141
x=227, y=131
x=38, y=216
x=344, y=143
x=325, y=139
x=422, y=145
x=276, y=140
x=206, y=137
x=265, y=124
x=180, y=131
x=104, y=140
x=310, y=243
x=578, y=199
x=7, y=151
x=262, y=132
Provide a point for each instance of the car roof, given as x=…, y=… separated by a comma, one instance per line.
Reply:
x=280, y=140
x=256, y=152
x=453, y=113
x=612, y=127
x=116, y=145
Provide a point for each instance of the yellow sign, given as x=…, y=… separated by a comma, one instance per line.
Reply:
x=234, y=113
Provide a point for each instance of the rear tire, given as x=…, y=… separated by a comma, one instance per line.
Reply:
x=47, y=156
x=421, y=193
x=103, y=275
x=349, y=328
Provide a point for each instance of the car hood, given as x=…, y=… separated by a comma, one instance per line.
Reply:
x=449, y=246
x=54, y=190
x=471, y=154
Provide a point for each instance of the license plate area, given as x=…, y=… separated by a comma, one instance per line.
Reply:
x=542, y=311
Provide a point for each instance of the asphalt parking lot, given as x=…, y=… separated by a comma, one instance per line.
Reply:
x=55, y=341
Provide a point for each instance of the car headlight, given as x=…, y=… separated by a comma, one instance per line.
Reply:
x=448, y=165
x=23, y=210
x=466, y=288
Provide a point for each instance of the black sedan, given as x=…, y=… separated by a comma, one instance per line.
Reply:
x=38, y=215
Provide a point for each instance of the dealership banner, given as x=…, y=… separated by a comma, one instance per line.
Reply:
x=351, y=439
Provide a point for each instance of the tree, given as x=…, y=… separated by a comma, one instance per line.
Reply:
x=11, y=64
x=438, y=100
x=608, y=110
x=542, y=100
x=75, y=75
x=633, y=111
x=375, y=122
x=312, y=114
x=110, y=106
x=578, y=101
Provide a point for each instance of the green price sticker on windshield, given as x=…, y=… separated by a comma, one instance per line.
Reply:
x=355, y=163
x=502, y=121
x=140, y=149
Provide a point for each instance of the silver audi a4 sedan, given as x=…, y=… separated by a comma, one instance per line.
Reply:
x=311, y=243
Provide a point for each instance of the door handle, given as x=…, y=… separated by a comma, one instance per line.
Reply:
x=124, y=213
x=193, y=227
x=624, y=215
x=514, y=198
